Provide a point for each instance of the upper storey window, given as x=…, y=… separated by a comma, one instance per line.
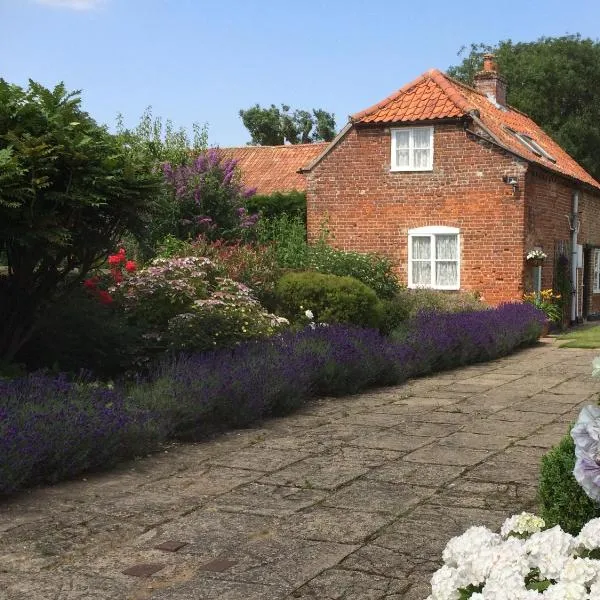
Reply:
x=412, y=149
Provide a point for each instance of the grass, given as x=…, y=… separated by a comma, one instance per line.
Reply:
x=583, y=337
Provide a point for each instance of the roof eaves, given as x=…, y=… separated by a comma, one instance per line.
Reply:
x=334, y=142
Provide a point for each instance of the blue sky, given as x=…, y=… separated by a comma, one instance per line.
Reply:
x=194, y=60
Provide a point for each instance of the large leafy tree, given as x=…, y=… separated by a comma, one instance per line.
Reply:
x=69, y=191
x=553, y=80
x=274, y=126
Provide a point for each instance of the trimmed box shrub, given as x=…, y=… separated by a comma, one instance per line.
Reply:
x=331, y=299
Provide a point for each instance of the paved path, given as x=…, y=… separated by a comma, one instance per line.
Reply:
x=353, y=498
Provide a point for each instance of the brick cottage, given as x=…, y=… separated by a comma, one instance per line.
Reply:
x=456, y=187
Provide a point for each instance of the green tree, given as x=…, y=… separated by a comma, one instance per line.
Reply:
x=161, y=141
x=69, y=191
x=274, y=126
x=553, y=81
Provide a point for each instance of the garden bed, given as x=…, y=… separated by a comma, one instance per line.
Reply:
x=52, y=428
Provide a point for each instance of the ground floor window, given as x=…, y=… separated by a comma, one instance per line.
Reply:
x=596, y=258
x=434, y=258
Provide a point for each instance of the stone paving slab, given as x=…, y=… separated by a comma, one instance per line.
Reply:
x=350, y=498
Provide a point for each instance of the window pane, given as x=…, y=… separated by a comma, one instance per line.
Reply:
x=421, y=272
x=446, y=273
x=421, y=138
x=446, y=247
x=402, y=138
x=402, y=158
x=421, y=248
x=421, y=159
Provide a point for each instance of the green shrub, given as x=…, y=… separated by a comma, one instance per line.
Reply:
x=562, y=500
x=392, y=314
x=288, y=235
x=78, y=333
x=292, y=204
x=331, y=299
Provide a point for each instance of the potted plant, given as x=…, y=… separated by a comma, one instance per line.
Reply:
x=536, y=257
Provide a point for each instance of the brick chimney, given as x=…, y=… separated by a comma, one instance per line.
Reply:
x=489, y=82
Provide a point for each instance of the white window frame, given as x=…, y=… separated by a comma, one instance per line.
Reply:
x=411, y=156
x=432, y=232
x=596, y=270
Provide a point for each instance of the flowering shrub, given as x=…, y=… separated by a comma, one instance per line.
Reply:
x=188, y=306
x=548, y=302
x=209, y=197
x=570, y=476
x=228, y=316
x=50, y=428
x=523, y=562
x=117, y=263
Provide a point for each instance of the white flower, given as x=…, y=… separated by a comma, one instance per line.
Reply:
x=586, y=435
x=469, y=545
x=595, y=591
x=566, y=590
x=524, y=523
x=548, y=551
x=579, y=570
x=445, y=583
x=589, y=536
x=309, y=314
x=536, y=253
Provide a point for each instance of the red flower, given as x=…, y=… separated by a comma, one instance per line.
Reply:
x=91, y=283
x=122, y=251
x=114, y=259
x=104, y=297
x=130, y=266
x=116, y=275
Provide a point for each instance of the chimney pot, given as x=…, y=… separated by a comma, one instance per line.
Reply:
x=489, y=63
x=489, y=82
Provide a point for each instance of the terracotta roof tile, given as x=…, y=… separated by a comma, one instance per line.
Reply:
x=274, y=168
x=434, y=95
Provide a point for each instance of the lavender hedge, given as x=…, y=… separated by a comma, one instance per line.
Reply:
x=52, y=429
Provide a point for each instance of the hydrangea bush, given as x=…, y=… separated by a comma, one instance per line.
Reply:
x=186, y=305
x=524, y=561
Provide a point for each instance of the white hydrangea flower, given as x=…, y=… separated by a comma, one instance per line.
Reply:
x=524, y=523
x=309, y=314
x=566, y=590
x=467, y=546
x=596, y=367
x=548, y=550
x=589, y=536
x=579, y=570
x=445, y=583
x=595, y=591
x=504, y=584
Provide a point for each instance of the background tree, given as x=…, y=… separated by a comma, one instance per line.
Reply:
x=69, y=191
x=274, y=126
x=553, y=80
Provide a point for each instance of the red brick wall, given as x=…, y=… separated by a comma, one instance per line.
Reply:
x=370, y=209
x=549, y=201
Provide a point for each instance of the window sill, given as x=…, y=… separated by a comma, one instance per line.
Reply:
x=403, y=170
x=454, y=288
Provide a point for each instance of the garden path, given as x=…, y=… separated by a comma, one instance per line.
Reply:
x=351, y=498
